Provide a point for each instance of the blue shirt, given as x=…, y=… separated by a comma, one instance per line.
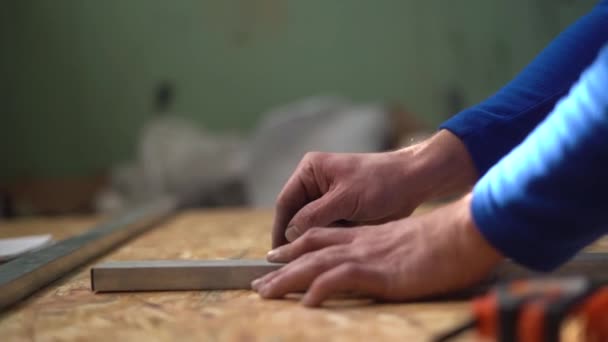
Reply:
x=545, y=197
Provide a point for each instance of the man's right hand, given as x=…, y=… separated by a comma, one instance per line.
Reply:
x=369, y=188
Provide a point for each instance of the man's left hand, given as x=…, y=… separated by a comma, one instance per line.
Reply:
x=402, y=260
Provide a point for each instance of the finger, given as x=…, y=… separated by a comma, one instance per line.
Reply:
x=321, y=212
x=314, y=239
x=348, y=277
x=268, y=278
x=257, y=283
x=298, y=275
x=292, y=198
x=300, y=189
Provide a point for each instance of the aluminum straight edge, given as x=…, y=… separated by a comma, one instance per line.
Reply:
x=23, y=276
x=184, y=275
x=178, y=275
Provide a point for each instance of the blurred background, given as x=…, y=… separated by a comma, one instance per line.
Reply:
x=105, y=104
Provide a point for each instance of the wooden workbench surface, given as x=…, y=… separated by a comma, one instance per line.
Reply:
x=68, y=310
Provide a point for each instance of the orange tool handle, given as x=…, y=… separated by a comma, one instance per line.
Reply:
x=595, y=313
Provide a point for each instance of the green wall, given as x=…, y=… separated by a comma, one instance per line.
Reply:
x=78, y=76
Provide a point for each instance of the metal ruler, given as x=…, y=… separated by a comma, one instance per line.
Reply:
x=175, y=275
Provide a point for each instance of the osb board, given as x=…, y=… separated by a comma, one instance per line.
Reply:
x=68, y=310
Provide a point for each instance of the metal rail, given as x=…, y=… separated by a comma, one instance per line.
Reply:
x=176, y=275
x=23, y=276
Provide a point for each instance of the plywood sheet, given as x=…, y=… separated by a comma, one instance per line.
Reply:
x=68, y=310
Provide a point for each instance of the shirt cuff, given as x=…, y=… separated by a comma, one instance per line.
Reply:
x=515, y=239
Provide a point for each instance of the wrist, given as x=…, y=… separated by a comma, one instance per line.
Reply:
x=450, y=231
x=471, y=237
x=441, y=165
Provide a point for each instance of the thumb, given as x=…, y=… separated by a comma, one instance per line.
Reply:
x=319, y=213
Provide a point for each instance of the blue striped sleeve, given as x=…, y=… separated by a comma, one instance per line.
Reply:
x=548, y=198
x=492, y=128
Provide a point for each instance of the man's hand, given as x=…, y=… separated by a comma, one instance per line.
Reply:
x=370, y=188
x=414, y=257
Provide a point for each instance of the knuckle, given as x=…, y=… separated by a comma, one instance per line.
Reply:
x=319, y=262
x=351, y=270
x=306, y=218
x=363, y=254
x=311, y=237
x=320, y=265
x=306, y=257
x=311, y=156
x=313, y=234
x=314, y=158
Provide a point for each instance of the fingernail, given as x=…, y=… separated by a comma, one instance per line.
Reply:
x=264, y=291
x=273, y=255
x=292, y=233
x=255, y=283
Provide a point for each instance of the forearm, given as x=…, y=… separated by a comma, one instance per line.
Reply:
x=492, y=128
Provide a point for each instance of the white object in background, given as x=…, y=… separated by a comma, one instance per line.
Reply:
x=13, y=247
x=327, y=124
x=179, y=158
